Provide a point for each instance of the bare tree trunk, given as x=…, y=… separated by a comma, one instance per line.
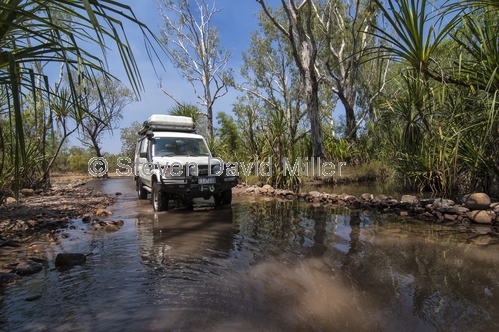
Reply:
x=98, y=153
x=351, y=123
x=194, y=45
x=304, y=49
x=312, y=99
x=46, y=174
x=209, y=115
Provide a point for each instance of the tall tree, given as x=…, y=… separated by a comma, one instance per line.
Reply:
x=299, y=31
x=104, y=101
x=271, y=75
x=346, y=41
x=194, y=47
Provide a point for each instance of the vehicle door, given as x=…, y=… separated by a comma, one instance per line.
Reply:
x=142, y=168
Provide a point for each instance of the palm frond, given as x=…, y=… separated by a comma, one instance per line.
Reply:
x=37, y=33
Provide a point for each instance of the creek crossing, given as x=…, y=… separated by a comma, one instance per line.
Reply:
x=258, y=265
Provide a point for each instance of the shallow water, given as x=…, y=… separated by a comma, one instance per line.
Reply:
x=393, y=188
x=263, y=265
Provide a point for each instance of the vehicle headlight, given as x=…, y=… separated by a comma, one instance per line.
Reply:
x=164, y=171
x=215, y=169
x=193, y=170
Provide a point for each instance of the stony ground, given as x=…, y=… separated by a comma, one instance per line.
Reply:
x=43, y=211
x=37, y=219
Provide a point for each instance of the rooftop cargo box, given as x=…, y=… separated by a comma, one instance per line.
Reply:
x=162, y=122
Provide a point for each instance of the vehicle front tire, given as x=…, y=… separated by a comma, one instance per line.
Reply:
x=218, y=199
x=224, y=198
x=159, y=198
x=141, y=192
x=227, y=197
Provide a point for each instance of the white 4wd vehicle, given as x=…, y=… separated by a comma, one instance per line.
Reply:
x=174, y=163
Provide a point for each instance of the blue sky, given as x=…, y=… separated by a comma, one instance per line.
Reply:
x=235, y=22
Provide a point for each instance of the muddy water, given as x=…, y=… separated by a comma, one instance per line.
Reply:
x=260, y=266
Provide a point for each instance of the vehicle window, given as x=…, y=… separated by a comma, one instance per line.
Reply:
x=179, y=146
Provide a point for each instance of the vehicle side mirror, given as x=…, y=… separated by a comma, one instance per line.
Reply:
x=143, y=155
x=149, y=134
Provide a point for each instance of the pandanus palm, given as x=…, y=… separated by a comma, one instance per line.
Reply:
x=412, y=36
x=472, y=28
x=36, y=34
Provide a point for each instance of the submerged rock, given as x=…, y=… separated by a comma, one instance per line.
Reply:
x=103, y=213
x=70, y=259
x=27, y=268
x=480, y=229
x=108, y=225
x=7, y=278
x=483, y=240
x=86, y=218
x=33, y=298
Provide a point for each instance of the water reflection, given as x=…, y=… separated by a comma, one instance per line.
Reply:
x=179, y=235
x=404, y=274
x=265, y=265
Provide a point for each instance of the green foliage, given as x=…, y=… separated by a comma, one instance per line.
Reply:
x=227, y=133
x=478, y=39
x=340, y=149
x=78, y=159
x=444, y=137
x=33, y=35
x=413, y=39
x=432, y=116
x=104, y=101
x=129, y=137
x=434, y=119
x=190, y=110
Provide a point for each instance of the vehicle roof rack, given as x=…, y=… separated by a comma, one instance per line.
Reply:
x=162, y=122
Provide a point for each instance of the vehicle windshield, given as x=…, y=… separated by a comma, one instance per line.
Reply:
x=179, y=146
